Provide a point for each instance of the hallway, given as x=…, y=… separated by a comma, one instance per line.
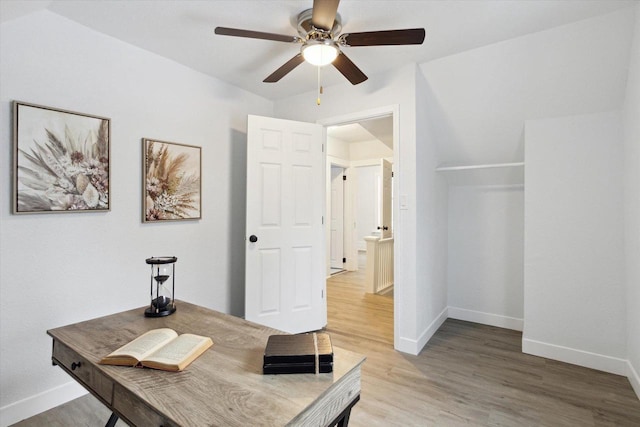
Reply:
x=354, y=313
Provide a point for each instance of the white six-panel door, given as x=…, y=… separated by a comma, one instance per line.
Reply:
x=285, y=255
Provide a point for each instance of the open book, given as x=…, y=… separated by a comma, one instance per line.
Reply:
x=160, y=349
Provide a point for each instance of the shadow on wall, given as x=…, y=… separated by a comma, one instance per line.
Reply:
x=238, y=206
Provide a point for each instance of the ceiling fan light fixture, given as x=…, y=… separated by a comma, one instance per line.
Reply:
x=320, y=52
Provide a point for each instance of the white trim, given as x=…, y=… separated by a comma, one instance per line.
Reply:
x=338, y=161
x=369, y=162
x=634, y=378
x=472, y=167
x=373, y=113
x=612, y=365
x=407, y=345
x=33, y=405
x=486, y=318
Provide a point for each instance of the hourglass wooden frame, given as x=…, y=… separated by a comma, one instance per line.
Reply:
x=157, y=309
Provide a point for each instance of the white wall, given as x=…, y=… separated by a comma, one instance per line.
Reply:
x=361, y=151
x=575, y=307
x=64, y=268
x=485, y=255
x=338, y=148
x=367, y=150
x=431, y=213
x=414, y=311
x=484, y=95
x=631, y=113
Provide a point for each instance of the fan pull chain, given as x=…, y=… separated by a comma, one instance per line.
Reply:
x=320, y=89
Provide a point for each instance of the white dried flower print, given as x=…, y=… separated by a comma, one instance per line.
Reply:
x=62, y=167
x=172, y=182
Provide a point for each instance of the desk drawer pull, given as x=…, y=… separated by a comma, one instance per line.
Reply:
x=75, y=365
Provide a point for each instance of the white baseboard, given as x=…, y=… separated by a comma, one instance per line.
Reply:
x=634, y=378
x=414, y=347
x=613, y=365
x=40, y=402
x=386, y=290
x=486, y=318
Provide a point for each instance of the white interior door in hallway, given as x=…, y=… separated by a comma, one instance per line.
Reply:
x=367, y=203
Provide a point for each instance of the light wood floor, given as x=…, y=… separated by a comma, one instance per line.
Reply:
x=467, y=375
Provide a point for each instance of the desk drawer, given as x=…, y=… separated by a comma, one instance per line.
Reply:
x=78, y=367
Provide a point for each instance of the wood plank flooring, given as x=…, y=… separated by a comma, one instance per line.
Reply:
x=468, y=375
x=352, y=312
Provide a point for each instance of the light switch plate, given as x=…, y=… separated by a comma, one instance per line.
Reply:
x=404, y=204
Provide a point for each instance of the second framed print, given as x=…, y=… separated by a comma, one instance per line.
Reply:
x=172, y=183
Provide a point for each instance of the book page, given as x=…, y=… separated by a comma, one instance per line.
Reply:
x=144, y=345
x=179, y=353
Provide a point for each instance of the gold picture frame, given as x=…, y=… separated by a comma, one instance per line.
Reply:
x=61, y=160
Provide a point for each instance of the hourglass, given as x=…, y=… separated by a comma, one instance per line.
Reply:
x=162, y=299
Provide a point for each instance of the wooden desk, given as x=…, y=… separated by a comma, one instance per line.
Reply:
x=223, y=387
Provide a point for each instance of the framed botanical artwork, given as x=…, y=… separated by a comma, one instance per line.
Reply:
x=61, y=160
x=172, y=185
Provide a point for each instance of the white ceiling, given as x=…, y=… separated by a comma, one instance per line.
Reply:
x=380, y=129
x=183, y=31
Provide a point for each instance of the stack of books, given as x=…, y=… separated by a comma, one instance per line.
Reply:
x=310, y=353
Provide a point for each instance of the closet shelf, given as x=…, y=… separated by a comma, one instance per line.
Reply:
x=501, y=174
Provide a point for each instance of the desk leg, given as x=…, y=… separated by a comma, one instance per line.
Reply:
x=344, y=422
x=343, y=419
x=113, y=419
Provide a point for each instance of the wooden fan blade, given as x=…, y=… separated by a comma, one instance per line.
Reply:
x=382, y=38
x=224, y=31
x=349, y=69
x=285, y=69
x=306, y=25
x=324, y=13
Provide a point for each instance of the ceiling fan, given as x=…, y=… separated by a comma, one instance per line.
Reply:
x=321, y=41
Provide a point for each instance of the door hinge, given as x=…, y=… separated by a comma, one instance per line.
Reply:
x=392, y=174
x=344, y=177
x=323, y=220
x=344, y=260
x=323, y=294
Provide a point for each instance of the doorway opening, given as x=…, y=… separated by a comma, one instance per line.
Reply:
x=356, y=147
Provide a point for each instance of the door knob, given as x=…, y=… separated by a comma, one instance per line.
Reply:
x=385, y=228
x=253, y=238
